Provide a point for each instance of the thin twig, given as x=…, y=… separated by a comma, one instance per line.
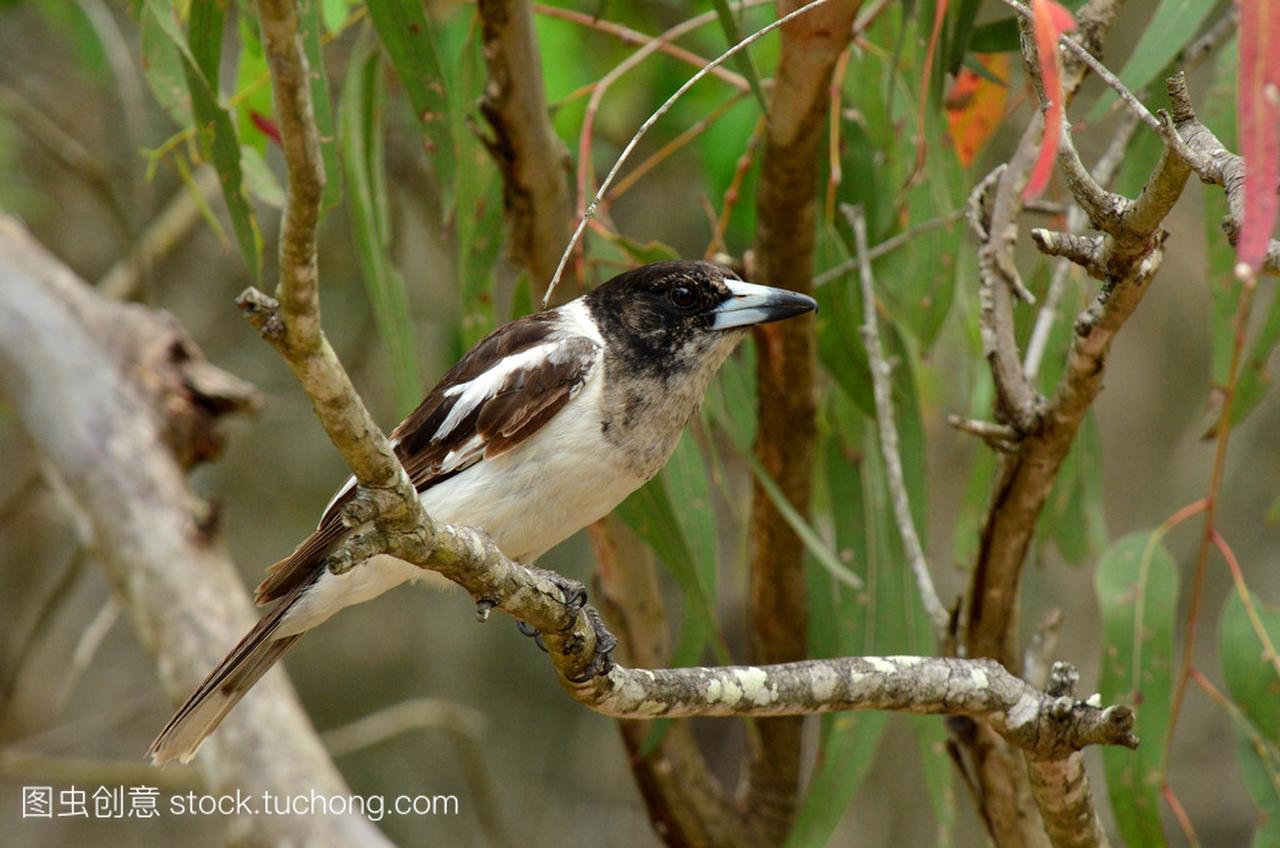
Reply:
x=889, y=450
x=69, y=152
x=590, y=211
x=733, y=193
x=86, y=649
x=889, y=245
x=1249, y=284
x=640, y=39
x=1074, y=47
x=400, y=718
x=161, y=236
x=1197, y=51
x=679, y=142
x=1103, y=173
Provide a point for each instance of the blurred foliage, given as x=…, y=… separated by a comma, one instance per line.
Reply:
x=389, y=66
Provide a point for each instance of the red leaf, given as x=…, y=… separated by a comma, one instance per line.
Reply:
x=1049, y=20
x=1259, y=110
x=265, y=125
x=975, y=106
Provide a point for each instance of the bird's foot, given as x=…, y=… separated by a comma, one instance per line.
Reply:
x=602, y=661
x=575, y=601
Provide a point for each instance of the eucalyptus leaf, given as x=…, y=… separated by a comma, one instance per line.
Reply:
x=1137, y=586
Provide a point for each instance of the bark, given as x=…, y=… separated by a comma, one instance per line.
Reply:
x=533, y=160
x=786, y=437
x=120, y=402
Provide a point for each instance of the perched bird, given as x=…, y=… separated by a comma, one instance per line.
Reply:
x=542, y=428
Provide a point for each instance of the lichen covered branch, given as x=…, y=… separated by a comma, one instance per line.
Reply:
x=1043, y=724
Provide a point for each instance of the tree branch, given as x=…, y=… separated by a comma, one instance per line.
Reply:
x=883, y=392
x=786, y=367
x=120, y=402
x=1212, y=162
x=1128, y=256
x=686, y=802
x=533, y=160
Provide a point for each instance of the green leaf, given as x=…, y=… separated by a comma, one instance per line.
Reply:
x=999, y=36
x=334, y=14
x=966, y=14
x=215, y=131
x=1171, y=27
x=686, y=483
x=745, y=63
x=1254, y=380
x=321, y=105
x=1073, y=517
x=1260, y=773
x=1248, y=666
x=848, y=752
x=407, y=36
x=1254, y=686
x=731, y=400
x=808, y=536
x=362, y=160
x=918, y=284
x=932, y=737
x=252, y=65
x=77, y=27
x=162, y=68
x=884, y=617
x=258, y=177
x=1137, y=586
x=650, y=514
x=644, y=252
x=842, y=623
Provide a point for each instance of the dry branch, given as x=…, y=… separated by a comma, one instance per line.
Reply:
x=120, y=402
x=1125, y=257
x=882, y=390
x=577, y=644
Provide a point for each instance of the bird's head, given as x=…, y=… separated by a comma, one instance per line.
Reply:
x=682, y=312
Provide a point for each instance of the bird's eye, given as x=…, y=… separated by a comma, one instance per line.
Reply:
x=682, y=297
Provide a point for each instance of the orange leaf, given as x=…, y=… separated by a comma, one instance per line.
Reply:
x=975, y=106
x=1259, y=116
x=1049, y=20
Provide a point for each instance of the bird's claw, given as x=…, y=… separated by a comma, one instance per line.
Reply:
x=534, y=633
x=575, y=601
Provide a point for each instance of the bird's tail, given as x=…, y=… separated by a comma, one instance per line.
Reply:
x=225, y=686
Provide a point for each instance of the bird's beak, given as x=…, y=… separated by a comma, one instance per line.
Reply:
x=751, y=304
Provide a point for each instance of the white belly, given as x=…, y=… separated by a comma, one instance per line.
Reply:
x=528, y=500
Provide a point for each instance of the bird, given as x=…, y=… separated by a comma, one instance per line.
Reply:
x=542, y=428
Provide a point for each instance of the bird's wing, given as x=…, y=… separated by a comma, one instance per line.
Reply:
x=502, y=392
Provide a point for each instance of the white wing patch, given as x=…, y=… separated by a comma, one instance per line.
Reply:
x=475, y=392
x=462, y=455
x=346, y=487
